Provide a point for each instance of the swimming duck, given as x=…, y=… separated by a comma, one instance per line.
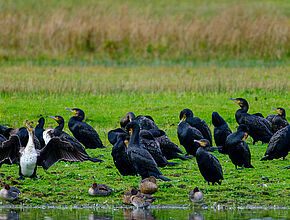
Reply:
x=198, y=123
x=99, y=190
x=209, y=166
x=142, y=201
x=141, y=159
x=196, y=195
x=279, y=145
x=238, y=150
x=9, y=193
x=82, y=131
x=278, y=121
x=148, y=185
x=259, y=128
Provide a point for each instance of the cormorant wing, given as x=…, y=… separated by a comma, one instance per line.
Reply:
x=9, y=151
x=58, y=150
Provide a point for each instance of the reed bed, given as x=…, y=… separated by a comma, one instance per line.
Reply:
x=96, y=80
x=240, y=31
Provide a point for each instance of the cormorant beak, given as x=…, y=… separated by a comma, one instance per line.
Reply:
x=29, y=127
x=277, y=110
x=71, y=110
x=52, y=117
x=235, y=100
x=245, y=136
x=183, y=117
x=200, y=142
x=126, y=142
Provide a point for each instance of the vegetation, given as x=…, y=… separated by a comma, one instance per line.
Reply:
x=149, y=30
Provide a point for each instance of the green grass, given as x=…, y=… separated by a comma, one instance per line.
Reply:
x=170, y=90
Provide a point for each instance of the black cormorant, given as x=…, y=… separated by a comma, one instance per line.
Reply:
x=39, y=131
x=259, y=128
x=238, y=149
x=114, y=134
x=200, y=124
x=209, y=166
x=279, y=145
x=186, y=136
x=278, y=121
x=144, y=122
x=82, y=131
x=120, y=156
x=221, y=131
x=142, y=160
x=9, y=150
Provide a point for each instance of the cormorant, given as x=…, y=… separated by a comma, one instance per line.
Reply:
x=142, y=160
x=9, y=193
x=114, y=134
x=279, y=145
x=221, y=131
x=82, y=131
x=9, y=150
x=200, y=124
x=278, y=121
x=209, y=166
x=238, y=149
x=259, y=128
x=39, y=131
x=99, y=190
x=186, y=136
x=168, y=148
x=196, y=195
x=144, y=122
x=120, y=156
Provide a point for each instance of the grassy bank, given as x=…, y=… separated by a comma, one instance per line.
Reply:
x=106, y=94
x=167, y=30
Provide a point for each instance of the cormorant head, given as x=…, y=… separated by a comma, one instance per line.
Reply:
x=130, y=116
x=132, y=126
x=185, y=113
x=58, y=119
x=77, y=112
x=29, y=128
x=245, y=129
x=217, y=120
x=203, y=143
x=241, y=102
x=280, y=111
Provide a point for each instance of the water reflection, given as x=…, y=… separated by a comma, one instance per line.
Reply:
x=140, y=214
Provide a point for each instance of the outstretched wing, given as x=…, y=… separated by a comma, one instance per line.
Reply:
x=58, y=150
x=9, y=151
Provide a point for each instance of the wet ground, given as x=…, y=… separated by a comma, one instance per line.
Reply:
x=196, y=213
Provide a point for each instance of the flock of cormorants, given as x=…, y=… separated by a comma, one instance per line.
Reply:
x=141, y=147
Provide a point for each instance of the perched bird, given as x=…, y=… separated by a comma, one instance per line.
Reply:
x=186, y=136
x=99, y=190
x=58, y=132
x=169, y=149
x=278, y=121
x=259, y=128
x=145, y=122
x=238, y=149
x=221, y=131
x=82, y=131
x=279, y=145
x=198, y=123
x=29, y=157
x=120, y=156
x=9, y=193
x=148, y=185
x=196, y=195
x=141, y=159
x=39, y=131
x=209, y=166
x=114, y=134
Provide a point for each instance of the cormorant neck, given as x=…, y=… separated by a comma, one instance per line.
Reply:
x=30, y=144
x=58, y=129
x=78, y=118
x=135, y=136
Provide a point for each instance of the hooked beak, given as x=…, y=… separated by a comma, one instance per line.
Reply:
x=68, y=109
x=235, y=100
x=52, y=117
x=200, y=142
x=245, y=136
x=183, y=117
x=276, y=110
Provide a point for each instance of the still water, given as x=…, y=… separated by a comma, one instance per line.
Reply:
x=153, y=213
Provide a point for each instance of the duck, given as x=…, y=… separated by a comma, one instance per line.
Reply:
x=141, y=159
x=148, y=185
x=279, y=145
x=221, y=132
x=99, y=190
x=196, y=195
x=120, y=157
x=196, y=122
x=278, y=121
x=128, y=194
x=82, y=131
x=260, y=129
x=9, y=193
x=238, y=150
x=209, y=166
x=142, y=201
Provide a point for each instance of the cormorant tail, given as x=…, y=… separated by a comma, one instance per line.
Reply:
x=268, y=157
x=163, y=178
x=95, y=160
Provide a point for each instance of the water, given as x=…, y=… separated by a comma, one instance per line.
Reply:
x=49, y=213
